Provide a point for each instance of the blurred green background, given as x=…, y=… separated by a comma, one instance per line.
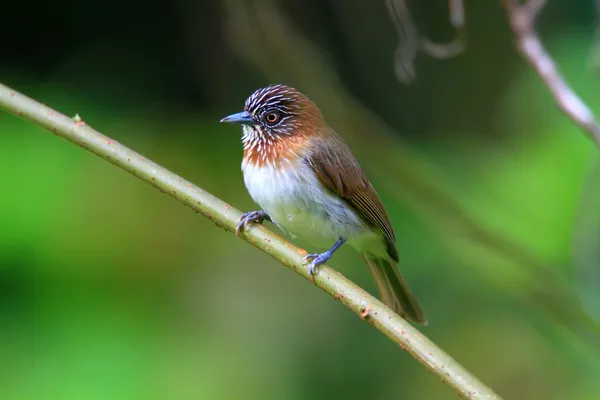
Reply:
x=111, y=290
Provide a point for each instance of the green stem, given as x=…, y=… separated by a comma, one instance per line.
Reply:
x=352, y=296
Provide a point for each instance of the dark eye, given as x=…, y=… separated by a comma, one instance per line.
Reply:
x=272, y=117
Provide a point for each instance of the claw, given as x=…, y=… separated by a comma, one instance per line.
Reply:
x=316, y=260
x=252, y=216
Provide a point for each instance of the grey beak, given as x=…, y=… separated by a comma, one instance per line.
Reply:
x=243, y=117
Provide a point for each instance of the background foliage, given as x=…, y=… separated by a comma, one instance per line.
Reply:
x=111, y=290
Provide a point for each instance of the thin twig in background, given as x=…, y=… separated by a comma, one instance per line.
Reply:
x=457, y=13
x=456, y=46
x=522, y=19
x=335, y=284
x=410, y=43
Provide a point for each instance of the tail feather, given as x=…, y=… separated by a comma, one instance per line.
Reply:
x=394, y=289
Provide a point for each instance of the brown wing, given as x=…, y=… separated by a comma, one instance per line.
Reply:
x=338, y=170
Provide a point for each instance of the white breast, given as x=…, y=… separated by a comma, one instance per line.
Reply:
x=298, y=203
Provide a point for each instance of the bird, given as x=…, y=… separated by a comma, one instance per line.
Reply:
x=306, y=181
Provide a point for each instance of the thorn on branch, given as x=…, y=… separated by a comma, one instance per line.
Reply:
x=365, y=313
x=78, y=121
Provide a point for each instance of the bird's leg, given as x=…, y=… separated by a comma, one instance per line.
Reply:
x=318, y=259
x=252, y=216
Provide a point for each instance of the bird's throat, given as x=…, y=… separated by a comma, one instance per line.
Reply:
x=268, y=149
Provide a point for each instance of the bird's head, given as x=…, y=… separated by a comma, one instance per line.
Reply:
x=277, y=111
x=277, y=120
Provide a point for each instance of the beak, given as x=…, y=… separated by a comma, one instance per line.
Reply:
x=243, y=117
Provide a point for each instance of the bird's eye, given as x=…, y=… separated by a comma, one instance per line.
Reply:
x=272, y=117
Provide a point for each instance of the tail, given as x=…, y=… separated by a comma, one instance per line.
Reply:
x=394, y=289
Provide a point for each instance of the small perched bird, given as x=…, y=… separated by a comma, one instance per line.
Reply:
x=309, y=184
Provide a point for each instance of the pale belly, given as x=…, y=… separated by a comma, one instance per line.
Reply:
x=298, y=203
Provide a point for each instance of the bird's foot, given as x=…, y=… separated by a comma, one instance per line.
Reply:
x=252, y=216
x=316, y=260
x=322, y=258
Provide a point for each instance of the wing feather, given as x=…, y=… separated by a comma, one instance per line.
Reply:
x=338, y=171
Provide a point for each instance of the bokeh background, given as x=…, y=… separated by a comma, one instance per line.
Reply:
x=112, y=290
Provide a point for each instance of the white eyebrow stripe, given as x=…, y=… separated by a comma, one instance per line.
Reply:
x=274, y=97
x=262, y=97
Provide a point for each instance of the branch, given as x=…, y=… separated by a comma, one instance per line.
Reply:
x=223, y=215
x=522, y=20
